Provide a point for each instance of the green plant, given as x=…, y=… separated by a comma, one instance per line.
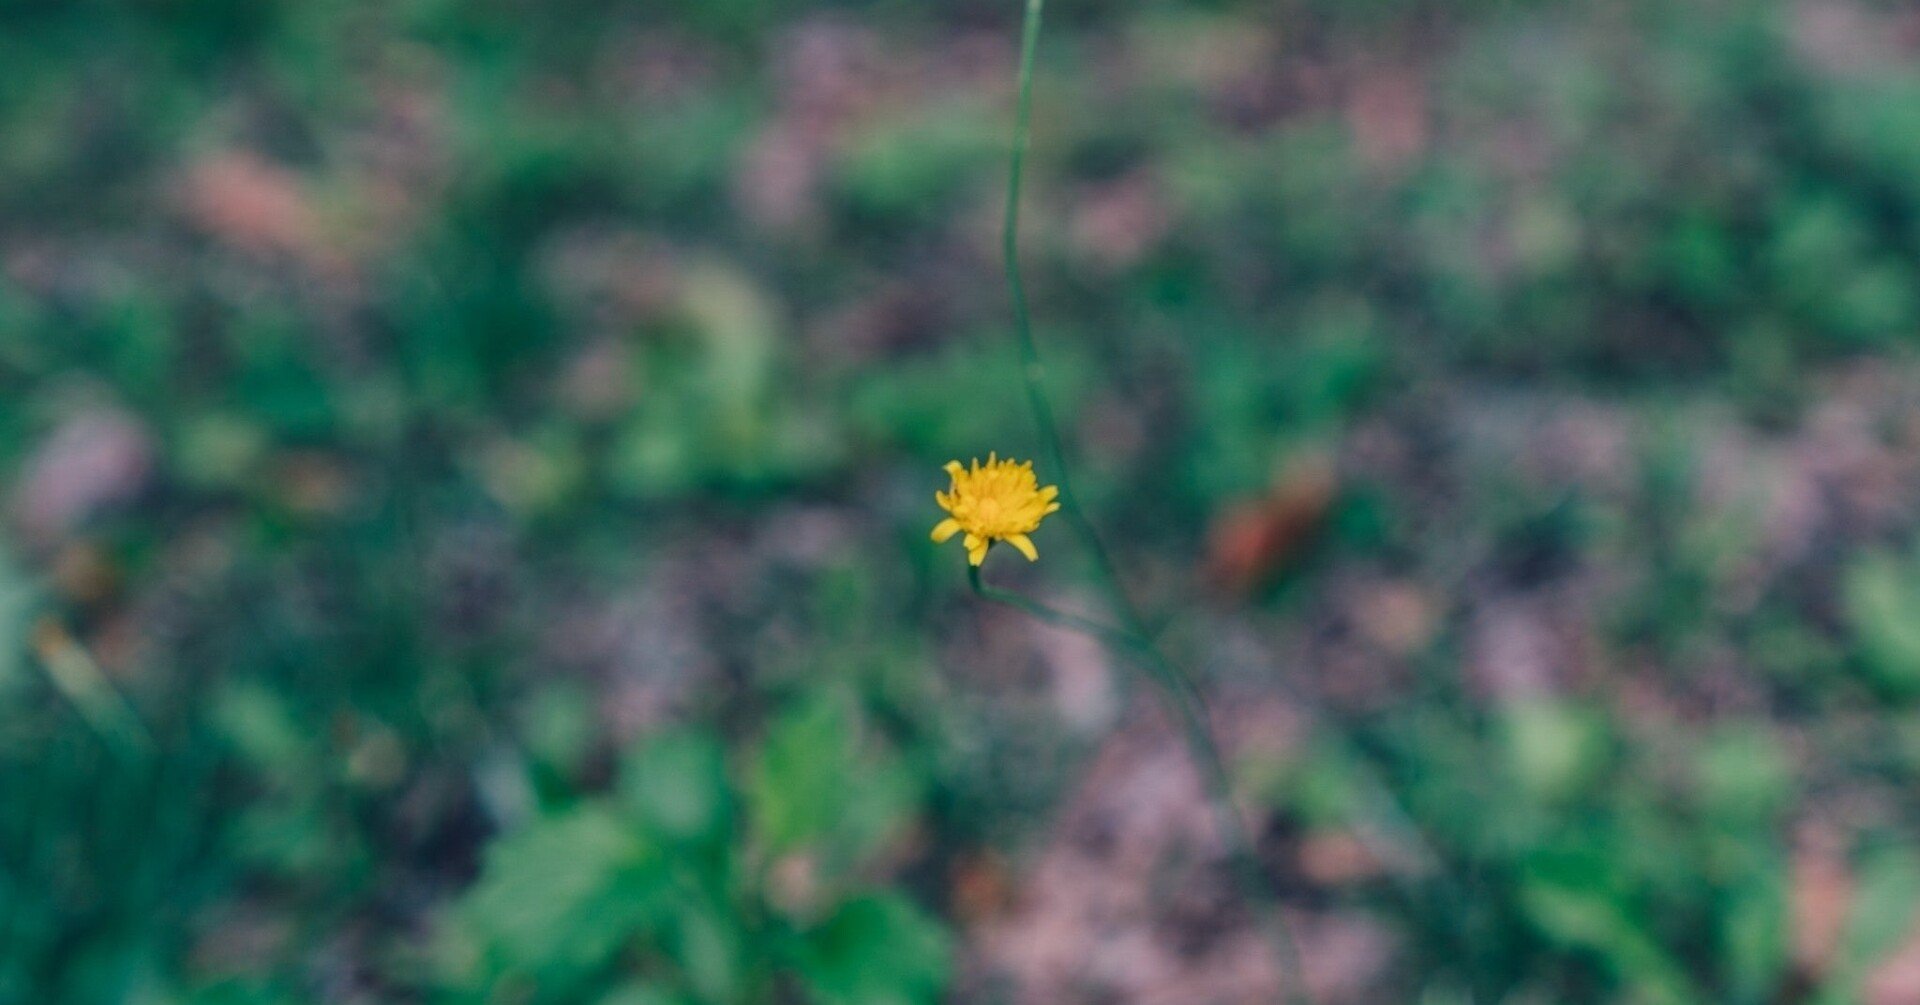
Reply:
x=704, y=877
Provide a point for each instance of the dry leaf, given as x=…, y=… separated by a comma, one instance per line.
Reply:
x=1250, y=543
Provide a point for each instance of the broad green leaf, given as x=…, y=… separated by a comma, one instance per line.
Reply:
x=814, y=785
x=707, y=945
x=876, y=950
x=562, y=893
x=1883, y=605
x=678, y=783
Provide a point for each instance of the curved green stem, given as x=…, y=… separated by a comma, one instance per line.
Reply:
x=1131, y=639
x=1110, y=636
x=1033, y=373
x=1189, y=710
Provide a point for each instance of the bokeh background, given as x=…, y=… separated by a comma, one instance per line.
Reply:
x=465, y=474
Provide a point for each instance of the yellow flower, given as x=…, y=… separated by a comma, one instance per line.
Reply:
x=1000, y=501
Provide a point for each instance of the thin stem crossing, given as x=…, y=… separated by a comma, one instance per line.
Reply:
x=1131, y=638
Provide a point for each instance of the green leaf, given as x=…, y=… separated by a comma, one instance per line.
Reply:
x=708, y=947
x=876, y=950
x=265, y=732
x=1573, y=904
x=677, y=782
x=1755, y=937
x=1743, y=775
x=1554, y=748
x=814, y=786
x=898, y=169
x=1883, y=908
x=558, y=726
x=559, y=896
x=1883, y=605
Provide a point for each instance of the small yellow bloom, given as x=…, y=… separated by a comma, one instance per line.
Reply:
x=998, y=501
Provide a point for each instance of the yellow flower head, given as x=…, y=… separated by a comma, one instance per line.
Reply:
x=998, y=501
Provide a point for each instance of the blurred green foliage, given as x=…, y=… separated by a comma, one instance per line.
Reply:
x=718, y=887
x=505, y=433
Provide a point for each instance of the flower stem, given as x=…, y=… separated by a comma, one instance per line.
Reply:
x=1032, y=372
x=1131, y=639
x=1185, y=701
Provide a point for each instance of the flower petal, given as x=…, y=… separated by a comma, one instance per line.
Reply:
x=944, y=530
x=976, y=549
x=1025, y=546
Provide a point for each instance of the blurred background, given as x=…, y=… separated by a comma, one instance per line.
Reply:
x=465, y=475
